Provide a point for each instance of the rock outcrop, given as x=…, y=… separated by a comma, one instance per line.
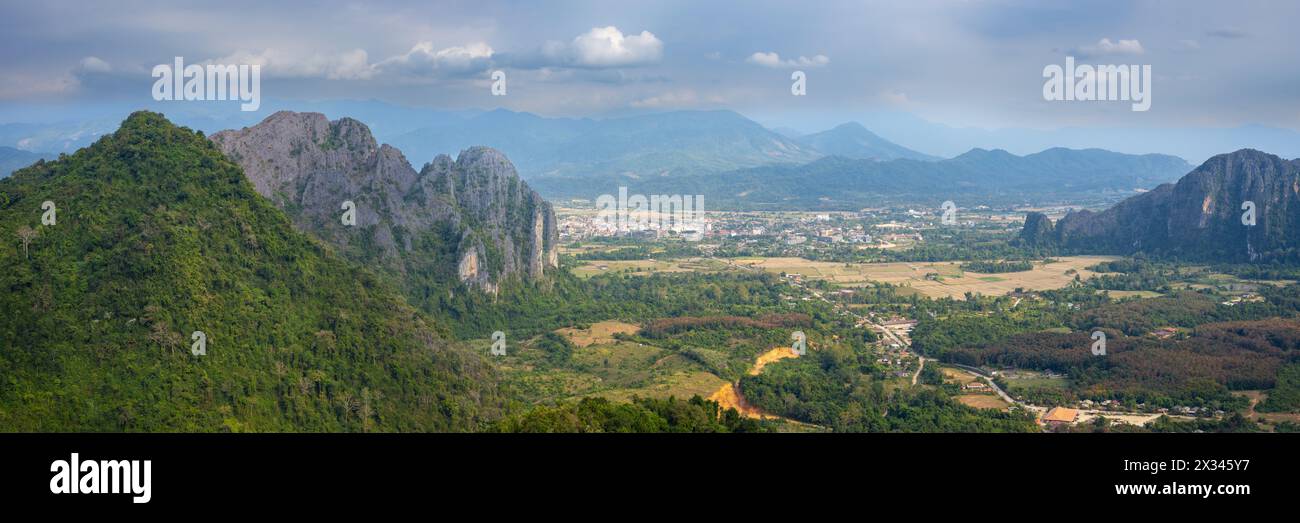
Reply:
x=471, y=218
x=1201, y=217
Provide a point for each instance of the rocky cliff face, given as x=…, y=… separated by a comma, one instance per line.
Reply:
x=1198, y=218
x=471, y=219
x=1038, y=229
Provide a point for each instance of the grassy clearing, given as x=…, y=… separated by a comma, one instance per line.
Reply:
x=939, y=279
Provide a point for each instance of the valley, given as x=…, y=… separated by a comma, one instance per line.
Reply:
x=946, y=318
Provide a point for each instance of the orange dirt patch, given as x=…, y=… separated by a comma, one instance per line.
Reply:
x=728, y=396
x=771, y=356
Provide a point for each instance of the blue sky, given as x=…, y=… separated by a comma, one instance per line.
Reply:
x=959, y=63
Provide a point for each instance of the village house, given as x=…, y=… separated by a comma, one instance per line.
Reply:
x=1059, y=416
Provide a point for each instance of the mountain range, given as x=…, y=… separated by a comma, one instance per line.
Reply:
x=838, y=183
x=56, y=128
x=661, y=144
x=1202, y=217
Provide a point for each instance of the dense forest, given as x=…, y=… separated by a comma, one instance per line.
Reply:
x=640, y=415
x=1198, y=371
x=158, y=236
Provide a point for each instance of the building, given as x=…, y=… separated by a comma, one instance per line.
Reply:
x=1060, y=416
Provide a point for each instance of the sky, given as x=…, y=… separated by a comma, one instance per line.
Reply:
x=960, y=63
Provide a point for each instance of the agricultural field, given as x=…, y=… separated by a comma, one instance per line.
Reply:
x=983, y=401
x=645, y=267
x=935, y=280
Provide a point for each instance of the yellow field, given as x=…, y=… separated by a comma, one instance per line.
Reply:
x=948, y=279
x=959, y=377
x=983, y=401
x=643, y=267
x=602, y=332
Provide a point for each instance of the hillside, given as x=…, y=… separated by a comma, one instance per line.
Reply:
x=159, y=235
x=1198, y=218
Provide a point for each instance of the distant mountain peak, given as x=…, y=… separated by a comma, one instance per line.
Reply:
x=853, y=140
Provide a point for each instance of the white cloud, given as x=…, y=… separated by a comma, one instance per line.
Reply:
x=95, y=65
x=606, y=47
x=424, y=60
x=774, y=60
x=1105, y=47
x=348, y=65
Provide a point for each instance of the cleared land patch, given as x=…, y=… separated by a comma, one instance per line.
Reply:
x=937, y=279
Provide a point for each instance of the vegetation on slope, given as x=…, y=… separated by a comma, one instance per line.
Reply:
x=158, y=236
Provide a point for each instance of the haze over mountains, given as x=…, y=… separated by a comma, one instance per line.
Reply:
x=1198, y=218
x=662, y=144
x=13, y=159
x=852, y=140
x=838, y=183
x=55, y=129
x=561, y=156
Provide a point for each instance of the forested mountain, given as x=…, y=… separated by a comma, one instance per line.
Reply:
x=1202, y=217
x=157, y=237
x=469, y=221
x=837, y=183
